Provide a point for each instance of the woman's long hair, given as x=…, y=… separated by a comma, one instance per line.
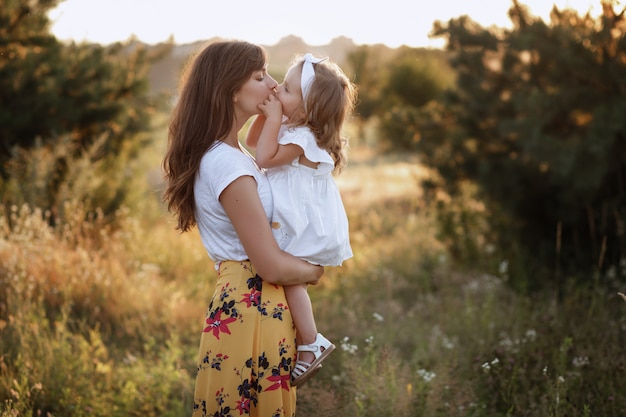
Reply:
x=204, y=113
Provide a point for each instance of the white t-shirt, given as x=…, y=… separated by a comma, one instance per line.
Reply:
x=220, y=166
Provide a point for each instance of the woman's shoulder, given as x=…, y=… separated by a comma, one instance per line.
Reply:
x=220, y=151
x=224, y=157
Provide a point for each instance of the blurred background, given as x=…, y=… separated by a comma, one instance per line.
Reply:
x=485, y=190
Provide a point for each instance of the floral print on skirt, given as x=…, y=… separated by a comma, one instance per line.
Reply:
x=247, y=348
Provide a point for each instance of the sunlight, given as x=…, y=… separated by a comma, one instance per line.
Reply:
x=395, y=24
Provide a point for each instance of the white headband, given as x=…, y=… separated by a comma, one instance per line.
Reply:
x=308, y=74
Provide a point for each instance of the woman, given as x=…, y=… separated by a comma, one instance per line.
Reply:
x=247, y=347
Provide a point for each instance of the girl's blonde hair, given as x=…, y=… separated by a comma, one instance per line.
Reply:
x=331, y=99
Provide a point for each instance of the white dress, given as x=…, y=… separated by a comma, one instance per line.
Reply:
x=309, y=220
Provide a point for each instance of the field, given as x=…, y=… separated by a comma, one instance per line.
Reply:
x=102, y=320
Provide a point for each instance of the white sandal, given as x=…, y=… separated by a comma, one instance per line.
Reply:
x=303, y=371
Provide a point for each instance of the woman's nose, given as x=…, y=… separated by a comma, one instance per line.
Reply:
x=272, y=82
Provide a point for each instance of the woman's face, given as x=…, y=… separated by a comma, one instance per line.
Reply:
x=253, y=92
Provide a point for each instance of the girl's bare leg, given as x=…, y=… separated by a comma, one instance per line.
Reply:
x=303, y=318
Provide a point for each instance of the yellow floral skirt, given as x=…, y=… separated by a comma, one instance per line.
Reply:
x=247, y=348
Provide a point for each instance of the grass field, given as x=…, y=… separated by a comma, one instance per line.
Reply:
x=102, y=320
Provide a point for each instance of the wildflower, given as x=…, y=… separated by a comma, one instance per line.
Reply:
x=378, y=317
x=504, y=267
x=447, y=343
x=487, y=365
x=580, y=361
x=348, y=347
x=506, y=341
x=426, y=375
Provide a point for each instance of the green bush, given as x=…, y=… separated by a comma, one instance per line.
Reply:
x=536, y=121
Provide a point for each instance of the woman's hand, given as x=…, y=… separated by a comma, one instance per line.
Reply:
x=320, y=272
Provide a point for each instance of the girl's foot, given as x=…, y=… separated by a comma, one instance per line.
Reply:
x=304, y=370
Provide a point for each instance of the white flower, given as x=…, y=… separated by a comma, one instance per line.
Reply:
x=427, y=376
x=447, y=343
x=487, y=365
x=348, y=347
x=580, y=361
x=504, y=267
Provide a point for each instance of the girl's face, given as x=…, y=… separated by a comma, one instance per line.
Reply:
x=253, y=92
x=289, y=92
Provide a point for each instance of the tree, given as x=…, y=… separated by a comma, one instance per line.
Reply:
x=417, y=80
x=68, y=102
x=540, y=128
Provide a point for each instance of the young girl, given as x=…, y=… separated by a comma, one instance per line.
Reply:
x=248, y=339
x=298, y=140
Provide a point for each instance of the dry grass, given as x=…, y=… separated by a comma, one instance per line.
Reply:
x=102, y=320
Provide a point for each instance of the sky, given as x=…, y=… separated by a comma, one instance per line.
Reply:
x=390, y=22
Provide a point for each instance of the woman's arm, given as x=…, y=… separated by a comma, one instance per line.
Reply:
x=243, y=206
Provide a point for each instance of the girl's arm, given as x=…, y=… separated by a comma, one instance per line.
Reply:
x=243, y=206
x=252, y=137
x=270, y=154
x=264, y=135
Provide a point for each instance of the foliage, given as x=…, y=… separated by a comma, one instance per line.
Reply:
x=101, y=321
x=100, y=318
x=66, y=104
x=368, y=67
x=414, y=90
x=399, y=88
x=417, y=77
x=536, y=120
x=86, y=329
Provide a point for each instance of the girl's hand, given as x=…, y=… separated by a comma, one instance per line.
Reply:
x=272, y=108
